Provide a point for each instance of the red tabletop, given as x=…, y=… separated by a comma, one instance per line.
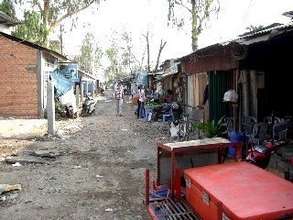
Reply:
x=244, y=189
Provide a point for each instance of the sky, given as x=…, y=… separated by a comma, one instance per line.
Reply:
x=140, y=16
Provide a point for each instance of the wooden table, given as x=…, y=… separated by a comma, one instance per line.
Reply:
x=193, y=146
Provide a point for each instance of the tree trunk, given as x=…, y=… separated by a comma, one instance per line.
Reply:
x=45, y=19
x=162, y=45
x=194, y=31
x=148, y=52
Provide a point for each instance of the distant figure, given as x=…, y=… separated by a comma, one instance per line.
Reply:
x=141, y=100
x=119, y=95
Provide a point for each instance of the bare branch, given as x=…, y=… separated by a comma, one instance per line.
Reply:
x=148, y=51
x=182, y=5
x=162, y=45
x=69, y=14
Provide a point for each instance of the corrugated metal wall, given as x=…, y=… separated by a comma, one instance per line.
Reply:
x=219, y=83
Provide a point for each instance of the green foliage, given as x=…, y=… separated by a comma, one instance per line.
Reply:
x=43, y=16
x=7, y=7
x=211, y=128
x=199, y=12
x=32, y=29
x=55, y=45
x=87, y=49
x=90, y=54
x=120, y=57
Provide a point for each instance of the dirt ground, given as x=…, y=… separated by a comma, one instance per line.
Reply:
x=94, y=173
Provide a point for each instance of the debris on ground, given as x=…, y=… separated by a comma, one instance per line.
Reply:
x=4, y=188
x=99, y=173
x=17, y=164
x=45, y=154
x=24, y=160
x=10, y=147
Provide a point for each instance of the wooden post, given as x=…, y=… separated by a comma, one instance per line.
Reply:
x=50, y=108
x=81, y=92
x=147, y=187
x=77, y=94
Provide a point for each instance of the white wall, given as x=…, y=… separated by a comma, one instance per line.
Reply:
x=5, y=29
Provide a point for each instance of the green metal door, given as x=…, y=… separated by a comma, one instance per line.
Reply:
x=219, y=83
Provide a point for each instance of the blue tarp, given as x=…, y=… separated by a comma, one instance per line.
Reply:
x=64, y=78
x=142, y=78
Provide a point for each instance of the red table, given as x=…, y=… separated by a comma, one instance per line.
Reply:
x=194, y=146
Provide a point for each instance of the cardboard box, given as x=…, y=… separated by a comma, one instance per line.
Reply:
x=238, y=191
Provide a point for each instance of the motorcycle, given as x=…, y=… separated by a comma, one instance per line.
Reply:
x=70, y=112
x=89, y=106
x=260, y=153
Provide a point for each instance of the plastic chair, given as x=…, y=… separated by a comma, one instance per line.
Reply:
x=168, y=115
x=147, y=116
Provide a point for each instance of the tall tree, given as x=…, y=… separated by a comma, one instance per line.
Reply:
x=114, y=69
x=147, y=39
x=49, y=14
x=90, y=54
x=199, y=12
x=32, y=29
x=161, y=47
x=127, y=56
x=7, y=7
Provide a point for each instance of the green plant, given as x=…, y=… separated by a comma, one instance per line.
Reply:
x=211, y=128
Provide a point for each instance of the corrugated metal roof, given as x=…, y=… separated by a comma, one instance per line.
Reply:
x=269, y=29
x=247, y=39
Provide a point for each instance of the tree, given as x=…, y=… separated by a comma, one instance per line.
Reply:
x=199, y=12
x=114, y=69
x=7, y=7
x=147, y=39
x=48, y=14
x=32, y=29
x=90, y=54
x=127, y=56
x=162, y=45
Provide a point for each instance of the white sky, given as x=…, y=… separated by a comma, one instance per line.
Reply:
x=137, y=16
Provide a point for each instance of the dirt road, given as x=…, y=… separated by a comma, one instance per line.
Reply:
x=97, y=173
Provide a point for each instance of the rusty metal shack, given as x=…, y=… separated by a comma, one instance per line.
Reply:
x=257, y=65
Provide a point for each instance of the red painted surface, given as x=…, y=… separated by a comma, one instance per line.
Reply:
x=147, y=186
x=220, y=59
x=244, y=191
x=151, y=213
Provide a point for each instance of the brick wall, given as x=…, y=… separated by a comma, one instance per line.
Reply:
x=18, y=80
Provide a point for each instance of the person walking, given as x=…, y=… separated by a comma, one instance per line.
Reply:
x=141, y=100
x=119, y=95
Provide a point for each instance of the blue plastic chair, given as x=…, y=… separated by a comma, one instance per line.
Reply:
x=168, y=116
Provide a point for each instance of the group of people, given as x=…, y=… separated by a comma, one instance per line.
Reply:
x=119, y=96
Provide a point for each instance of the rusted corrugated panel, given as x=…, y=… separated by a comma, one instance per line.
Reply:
x=220, y=59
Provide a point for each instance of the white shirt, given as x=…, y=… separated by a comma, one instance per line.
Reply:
x=141, y=95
